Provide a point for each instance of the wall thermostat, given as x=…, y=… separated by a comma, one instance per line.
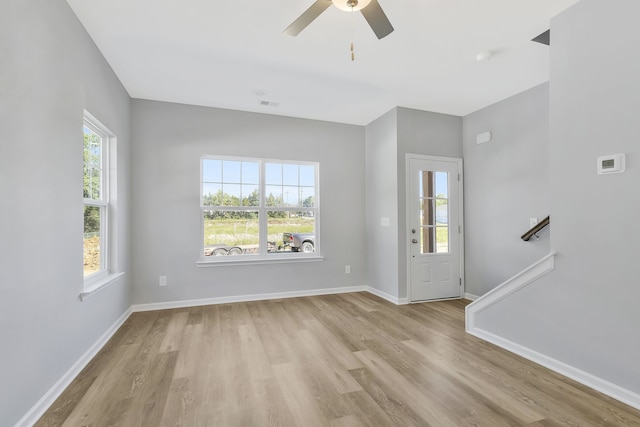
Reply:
x=611, y=164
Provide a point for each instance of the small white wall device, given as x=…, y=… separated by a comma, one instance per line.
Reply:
x=483, y=137
x=613, y=163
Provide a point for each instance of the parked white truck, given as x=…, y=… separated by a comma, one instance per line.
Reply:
x=299, y=242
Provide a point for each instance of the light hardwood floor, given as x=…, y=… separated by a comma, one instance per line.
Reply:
x=336, y=360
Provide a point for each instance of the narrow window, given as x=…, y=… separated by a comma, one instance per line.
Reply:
x=96, y=200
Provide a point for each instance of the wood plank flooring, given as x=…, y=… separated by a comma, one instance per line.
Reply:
x=335, y=360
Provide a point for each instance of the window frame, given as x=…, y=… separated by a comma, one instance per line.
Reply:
x=107, y=273
x=263, y=256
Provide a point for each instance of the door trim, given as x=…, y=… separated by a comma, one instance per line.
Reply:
x=458, y=162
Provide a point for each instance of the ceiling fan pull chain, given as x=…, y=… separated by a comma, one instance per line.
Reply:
x=353, y=53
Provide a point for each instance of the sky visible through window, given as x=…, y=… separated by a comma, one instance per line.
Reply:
x=289, y=184
x=440, y=183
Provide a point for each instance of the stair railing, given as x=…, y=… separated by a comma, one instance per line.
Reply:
x=535, y=229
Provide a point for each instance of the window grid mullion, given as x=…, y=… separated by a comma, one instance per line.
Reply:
x=262, y=214
x=94, y=202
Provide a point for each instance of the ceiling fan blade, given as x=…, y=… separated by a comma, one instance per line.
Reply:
x=377, y=20
x=307, y=17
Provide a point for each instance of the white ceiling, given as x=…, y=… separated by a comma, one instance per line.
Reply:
x=232, y=54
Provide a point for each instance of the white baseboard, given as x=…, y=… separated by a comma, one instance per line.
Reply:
x=244, y=298
x=37, y=410
x=517, y=282
x=266, y=296
x=612, y=390
x=470, y=297
x=386, y=296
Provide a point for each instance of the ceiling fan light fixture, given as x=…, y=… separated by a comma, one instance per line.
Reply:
x=346, y=4
x=370, y=9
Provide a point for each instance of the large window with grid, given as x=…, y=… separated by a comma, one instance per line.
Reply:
x=258, y=209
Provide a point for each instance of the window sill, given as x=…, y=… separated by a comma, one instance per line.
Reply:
x=98, y=285
x=204, y=263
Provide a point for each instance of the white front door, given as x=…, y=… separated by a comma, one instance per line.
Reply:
x=434, y=235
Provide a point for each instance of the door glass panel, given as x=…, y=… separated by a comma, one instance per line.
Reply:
x=442, y=190
x=442, y=240
x=442, y=212
x=426, y=184
x=434, y=212
x=427, y=213
x=427, y=240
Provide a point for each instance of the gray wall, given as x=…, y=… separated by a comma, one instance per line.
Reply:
x=506, y=183
x=388, y=140
x=169, y=140
x=420, y=132
x=51, y=71
x=382, y=201
x=585, y=312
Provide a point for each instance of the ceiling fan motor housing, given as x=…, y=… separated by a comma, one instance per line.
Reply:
x=350, y=5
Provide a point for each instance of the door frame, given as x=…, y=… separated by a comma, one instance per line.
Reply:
x=408, y=200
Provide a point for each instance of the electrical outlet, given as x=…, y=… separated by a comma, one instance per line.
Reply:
x=347, y=269
x=163, y=281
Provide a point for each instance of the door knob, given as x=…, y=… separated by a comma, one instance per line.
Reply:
x=414, y=240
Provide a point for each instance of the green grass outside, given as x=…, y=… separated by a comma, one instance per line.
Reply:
x=442, y=234
x=442, y=240
x=242, y=232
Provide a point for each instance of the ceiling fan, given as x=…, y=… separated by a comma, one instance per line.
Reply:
x=370, y=9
